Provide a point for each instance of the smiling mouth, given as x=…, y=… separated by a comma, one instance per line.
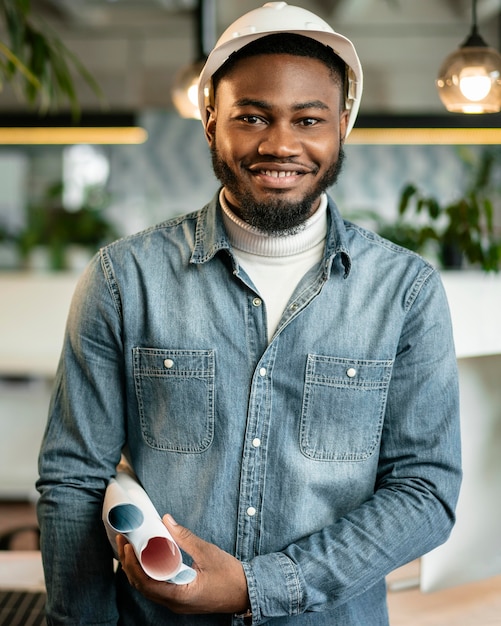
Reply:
x=279, y=173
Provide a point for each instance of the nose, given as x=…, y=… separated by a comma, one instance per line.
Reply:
x=280, y=140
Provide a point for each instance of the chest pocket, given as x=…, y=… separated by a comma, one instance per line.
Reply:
x=175, y=393
x=343, y=407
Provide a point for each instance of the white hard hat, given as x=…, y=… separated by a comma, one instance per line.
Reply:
x=280, y=17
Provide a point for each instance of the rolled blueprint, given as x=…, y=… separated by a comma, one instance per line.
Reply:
x=127, y=510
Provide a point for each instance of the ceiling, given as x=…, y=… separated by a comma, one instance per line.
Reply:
x=134, y=47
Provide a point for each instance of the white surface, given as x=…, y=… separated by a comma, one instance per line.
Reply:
x=473, y=551
x=33, y=312
x=475, y=303
x=21, y=570
x=23, y=413
x=33, y=315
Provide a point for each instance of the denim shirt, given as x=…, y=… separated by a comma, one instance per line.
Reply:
x=322, y=460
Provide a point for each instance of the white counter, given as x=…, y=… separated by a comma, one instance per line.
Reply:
x=473, y=551
x=33, y=311
x=475, y=303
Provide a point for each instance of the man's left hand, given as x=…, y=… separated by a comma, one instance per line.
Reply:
x=220, y=585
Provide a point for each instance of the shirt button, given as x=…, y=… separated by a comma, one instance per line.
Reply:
x=351, y=372
x=256, y=442
x=251, y=511
x=257, y=302
x=262, y=371
x=169, y=363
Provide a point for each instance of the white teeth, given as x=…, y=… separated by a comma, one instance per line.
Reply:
x=281, y=174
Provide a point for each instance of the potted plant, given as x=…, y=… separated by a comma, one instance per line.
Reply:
x=54, y=227
x=463, y=230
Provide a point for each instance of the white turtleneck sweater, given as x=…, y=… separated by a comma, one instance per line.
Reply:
x=276, y=264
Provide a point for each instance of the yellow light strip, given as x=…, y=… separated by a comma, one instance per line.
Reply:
x=412, y=136
x=70, y=135
x=138, y=135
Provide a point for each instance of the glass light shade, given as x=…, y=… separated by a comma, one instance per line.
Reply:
x=185, y=90
x=469, y=80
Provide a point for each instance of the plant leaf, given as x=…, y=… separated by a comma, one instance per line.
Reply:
x=407, y=193
x=19, y=65
x=42, y=59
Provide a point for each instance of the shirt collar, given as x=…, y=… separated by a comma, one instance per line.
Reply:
x=211, y=236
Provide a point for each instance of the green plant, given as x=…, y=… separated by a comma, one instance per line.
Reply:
x=52, y=225
x=36, y=62
x=462, y=229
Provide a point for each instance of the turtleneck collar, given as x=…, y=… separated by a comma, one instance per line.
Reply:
x=251, y=240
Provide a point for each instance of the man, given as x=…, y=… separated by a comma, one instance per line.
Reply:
x=282, y=382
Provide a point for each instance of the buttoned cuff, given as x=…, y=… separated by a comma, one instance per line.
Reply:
x=274, y=587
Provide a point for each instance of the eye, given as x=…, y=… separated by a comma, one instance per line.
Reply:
x=253, y=120
x=308, y=121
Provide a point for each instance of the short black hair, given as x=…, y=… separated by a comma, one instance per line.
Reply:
x=285, y=43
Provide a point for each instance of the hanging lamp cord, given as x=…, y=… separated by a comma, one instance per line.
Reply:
x=474, y=39
x=474, y=23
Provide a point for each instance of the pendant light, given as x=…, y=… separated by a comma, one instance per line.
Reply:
x=184, y=91
x=469, y=80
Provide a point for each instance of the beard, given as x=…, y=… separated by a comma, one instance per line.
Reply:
x=277, y=216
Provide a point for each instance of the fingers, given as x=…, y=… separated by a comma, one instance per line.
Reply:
x=121, y=542
x=128, y=559
x=136, y=576
x=220, y=586
x=186, y=540
x=169, y=520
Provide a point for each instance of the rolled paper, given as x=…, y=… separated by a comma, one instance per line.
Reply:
x=128, y=511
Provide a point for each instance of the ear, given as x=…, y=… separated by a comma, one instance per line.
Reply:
x=210, y=125
x=343, y=124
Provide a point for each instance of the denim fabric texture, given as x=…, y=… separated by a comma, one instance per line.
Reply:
x=323, y=460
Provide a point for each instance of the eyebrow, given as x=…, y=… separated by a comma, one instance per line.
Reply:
x=299, y=106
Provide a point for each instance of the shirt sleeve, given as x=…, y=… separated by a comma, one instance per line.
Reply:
x=79, y=453
x=412, y=507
